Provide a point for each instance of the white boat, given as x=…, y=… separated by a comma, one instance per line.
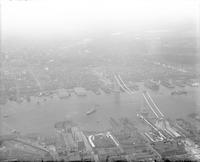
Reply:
x=91, y=111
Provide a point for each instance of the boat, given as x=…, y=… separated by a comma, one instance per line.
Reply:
x=91, y=111
x=179, y=92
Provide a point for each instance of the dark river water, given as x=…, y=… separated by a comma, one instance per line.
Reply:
x=29, y=117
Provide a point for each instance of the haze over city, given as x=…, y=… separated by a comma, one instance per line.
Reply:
x=43, y=18
x=102, y=81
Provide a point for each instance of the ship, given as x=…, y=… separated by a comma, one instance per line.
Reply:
x=91, y=111
x=179, y=92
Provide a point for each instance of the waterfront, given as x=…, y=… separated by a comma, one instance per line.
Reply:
x=30, y=117
x=99, y=82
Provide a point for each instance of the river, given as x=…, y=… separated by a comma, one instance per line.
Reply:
x=29, y=117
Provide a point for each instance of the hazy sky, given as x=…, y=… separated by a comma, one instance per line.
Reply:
x=41, y=17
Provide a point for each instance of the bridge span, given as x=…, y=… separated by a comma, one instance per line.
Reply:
x=161, y=123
